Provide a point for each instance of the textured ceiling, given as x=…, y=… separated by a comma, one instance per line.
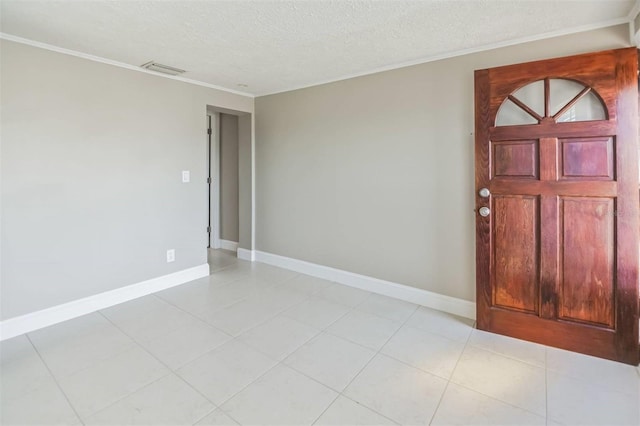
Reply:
x=274, y=46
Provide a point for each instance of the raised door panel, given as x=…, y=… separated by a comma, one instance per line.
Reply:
x=587, y=158
x=515, y=159
x=587, y=271
x=516, y=252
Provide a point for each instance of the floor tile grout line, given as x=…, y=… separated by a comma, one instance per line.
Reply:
x=393, y=298
x=325, y=329
x=281, y=362
x=376, y=353
x=55, y=379
x=233, y=262
x=319, y=332
x=223, y=308
x=237, y=338
x=219, y=407
x=232, y=337
x=497, y=399
x=228, y=415
x=511, y=357
x=368, y=408
x=171, y=370
x=594, y=384
x=301, y=301
x=146, y=385
x=120, y=351
x=324, y=384
x=279, y=312
x=208, y=351
x=376, y=350
x=431, y=373
x=277, y=363
x=225, y=284
x=339, y=393
x=435, y=411
x=202, y=319
x=215, y=407
x=351, y=309
x=222, y=268
x=490, y=396
x=546, y=385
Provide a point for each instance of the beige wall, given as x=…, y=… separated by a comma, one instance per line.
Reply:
x=91, y=162
x=375, y=174
x=229, y=177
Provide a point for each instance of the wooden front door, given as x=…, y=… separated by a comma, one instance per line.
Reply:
x=557, y=202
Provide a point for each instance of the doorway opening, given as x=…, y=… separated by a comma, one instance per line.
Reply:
x=229, y=186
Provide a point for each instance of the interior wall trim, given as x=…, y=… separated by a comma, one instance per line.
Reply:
x=245, y=254
x=462, y=52
x=229, y=245
x=452, y=305
x=36, y=320
x=426, y=59
x=46, y=46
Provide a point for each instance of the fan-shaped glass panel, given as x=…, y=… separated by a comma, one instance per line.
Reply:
x=532, y=95
x=588, y=108
x=512, y=115
x=561, y=92
x=567, y=101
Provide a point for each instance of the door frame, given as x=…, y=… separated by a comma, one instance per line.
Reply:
x=213, y=149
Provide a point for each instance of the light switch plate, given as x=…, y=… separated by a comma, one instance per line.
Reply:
x=186, y=176
x=171, y=255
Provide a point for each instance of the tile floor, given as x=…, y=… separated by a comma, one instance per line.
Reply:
x=254, y=344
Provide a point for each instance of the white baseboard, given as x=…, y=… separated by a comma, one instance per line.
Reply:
x=463, y=308
x=245, y=254
x=26, y=323
x=228, y=245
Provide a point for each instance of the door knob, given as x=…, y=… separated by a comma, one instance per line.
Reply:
x=484, y=193
x=484, y=211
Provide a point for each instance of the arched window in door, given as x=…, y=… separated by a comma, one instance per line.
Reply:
x=552, y=99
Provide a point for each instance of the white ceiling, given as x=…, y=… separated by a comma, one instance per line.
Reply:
x=273, y=46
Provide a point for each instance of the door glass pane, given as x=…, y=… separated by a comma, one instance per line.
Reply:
x=532, y=95
x=589, y=107
x=511, y=114
x=561, y=92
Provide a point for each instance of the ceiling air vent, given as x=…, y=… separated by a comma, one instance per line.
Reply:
x=164, y=69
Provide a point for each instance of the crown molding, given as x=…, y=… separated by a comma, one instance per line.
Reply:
x=625, y=20
x=453, y=54
x=33, y=43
